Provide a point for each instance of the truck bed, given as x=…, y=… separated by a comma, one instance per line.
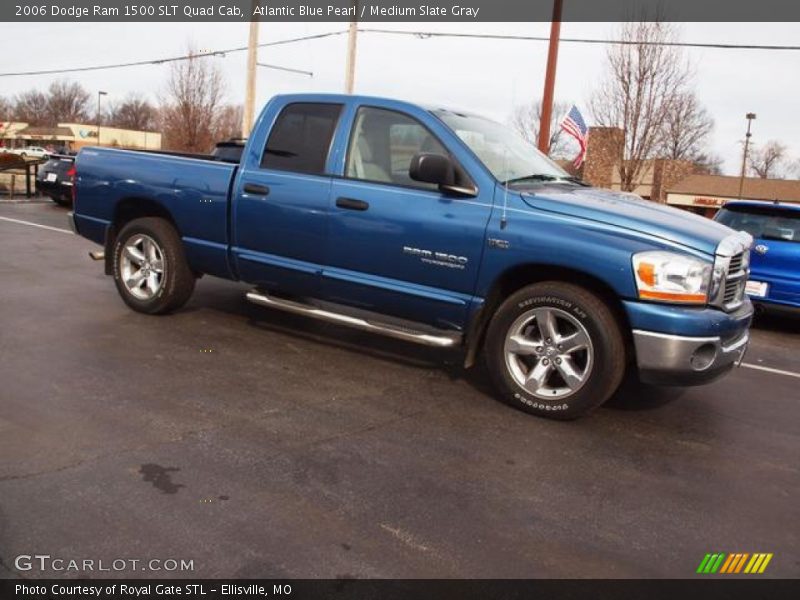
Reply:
x=193, y=189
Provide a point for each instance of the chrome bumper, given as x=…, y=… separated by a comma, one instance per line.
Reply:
x=677, y=360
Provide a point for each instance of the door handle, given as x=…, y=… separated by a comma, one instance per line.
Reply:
x=256, y=189
x=352, y=204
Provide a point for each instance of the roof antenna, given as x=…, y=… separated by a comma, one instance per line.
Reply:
x=503, y=219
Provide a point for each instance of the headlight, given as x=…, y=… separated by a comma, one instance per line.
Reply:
x=671, y=277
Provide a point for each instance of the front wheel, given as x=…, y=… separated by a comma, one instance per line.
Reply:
x=555, y=350
x=150, y=269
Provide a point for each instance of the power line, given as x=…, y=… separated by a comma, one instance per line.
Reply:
x=161, y=61
x=490, y=36
x=289, y=69
x=418, y=34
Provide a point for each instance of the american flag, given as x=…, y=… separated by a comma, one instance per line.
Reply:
x=575, y=126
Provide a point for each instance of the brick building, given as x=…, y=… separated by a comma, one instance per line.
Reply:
x=604, y=153
x=678, y=183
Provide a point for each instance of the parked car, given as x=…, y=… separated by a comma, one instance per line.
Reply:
x=775, y=269
x=436, y=227
x=55, y=179
x=29, y=152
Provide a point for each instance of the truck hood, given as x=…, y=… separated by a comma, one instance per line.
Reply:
x=630, y=212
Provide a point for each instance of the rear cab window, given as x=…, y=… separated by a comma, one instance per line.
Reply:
x=300, y=139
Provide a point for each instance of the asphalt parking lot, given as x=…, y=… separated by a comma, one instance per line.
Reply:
x=258, y=444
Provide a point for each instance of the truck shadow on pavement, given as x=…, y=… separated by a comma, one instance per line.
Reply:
x=632, y=395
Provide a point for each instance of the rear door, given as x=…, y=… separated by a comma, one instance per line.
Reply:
x=280, y=207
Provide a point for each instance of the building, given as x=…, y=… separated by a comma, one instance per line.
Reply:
x=604, y=152
x=705, y=194
x=74, y=136
x=678, y=183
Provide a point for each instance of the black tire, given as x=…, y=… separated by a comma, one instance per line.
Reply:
x=177, y=280
x=61, y=201
x=573, y=306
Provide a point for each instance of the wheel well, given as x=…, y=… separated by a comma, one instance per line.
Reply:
x=126, y=211
x=518, y=277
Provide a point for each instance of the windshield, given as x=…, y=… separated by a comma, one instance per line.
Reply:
x=504, y=153
x=766, y=223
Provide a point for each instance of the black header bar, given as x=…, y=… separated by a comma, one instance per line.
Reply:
x=420, y=11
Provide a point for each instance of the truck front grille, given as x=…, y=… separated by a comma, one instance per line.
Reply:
x=732, y=289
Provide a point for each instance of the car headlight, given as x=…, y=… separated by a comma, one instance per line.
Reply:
x=671, y=277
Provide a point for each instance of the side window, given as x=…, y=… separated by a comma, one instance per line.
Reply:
x=383, y=143
x=301, y=137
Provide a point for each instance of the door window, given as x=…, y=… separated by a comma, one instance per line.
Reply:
x=382, y=146
x=301, y=138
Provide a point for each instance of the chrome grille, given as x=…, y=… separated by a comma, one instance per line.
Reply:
x=731, y=267
x=735, y=280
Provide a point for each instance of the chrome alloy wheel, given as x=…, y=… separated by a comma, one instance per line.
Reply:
x=549, y=353
x=142, y=267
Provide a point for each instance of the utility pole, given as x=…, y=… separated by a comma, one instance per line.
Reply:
x=250, y=89
x=99, y=114
x=749, y=117
x=350, y=67
x=550, y=78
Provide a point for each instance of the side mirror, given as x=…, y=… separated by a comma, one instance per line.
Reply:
x=432, y=168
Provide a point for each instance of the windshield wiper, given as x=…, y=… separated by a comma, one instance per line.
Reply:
x=534, y=177
x=545, y=177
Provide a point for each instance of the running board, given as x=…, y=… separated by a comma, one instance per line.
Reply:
x=440, y=340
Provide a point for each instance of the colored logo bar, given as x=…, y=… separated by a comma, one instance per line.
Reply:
x=736, y=562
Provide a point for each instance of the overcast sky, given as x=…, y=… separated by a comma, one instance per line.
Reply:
x=486, y=76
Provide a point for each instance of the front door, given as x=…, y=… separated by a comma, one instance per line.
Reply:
x=396, y=245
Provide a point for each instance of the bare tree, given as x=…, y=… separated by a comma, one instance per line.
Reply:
x=6, y=109
x=526, y=118
x=191, y=103
x=67, y=102
x=643, y=81
x=31, y=107
x=687, y=127
x=133, y=113
x=229, y=122
x=769, y=161
x=794, y=168
x=708, y=162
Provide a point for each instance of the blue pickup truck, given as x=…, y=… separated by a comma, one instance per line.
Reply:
x=433, y=226
x=775, y=270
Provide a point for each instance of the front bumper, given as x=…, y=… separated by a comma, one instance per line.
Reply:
x=667, y=359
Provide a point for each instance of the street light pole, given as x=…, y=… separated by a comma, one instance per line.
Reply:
x=750, y=117
x=252, y=61
x=550, y=78
x=99, y=114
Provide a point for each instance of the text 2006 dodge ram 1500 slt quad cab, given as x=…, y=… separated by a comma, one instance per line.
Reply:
x=434, y=226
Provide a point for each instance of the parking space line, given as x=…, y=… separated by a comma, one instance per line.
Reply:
x=36, y=225
x=771, y=370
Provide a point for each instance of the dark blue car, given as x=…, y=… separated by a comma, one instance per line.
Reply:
x=775, y=264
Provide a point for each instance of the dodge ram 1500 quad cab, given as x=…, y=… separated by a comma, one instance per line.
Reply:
x=434, y=226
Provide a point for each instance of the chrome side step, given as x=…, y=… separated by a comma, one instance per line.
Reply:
x=441, y=340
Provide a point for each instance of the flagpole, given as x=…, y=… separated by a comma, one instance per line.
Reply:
x=550, y=78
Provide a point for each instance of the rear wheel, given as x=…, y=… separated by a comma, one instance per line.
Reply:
x=150, y=268
x=555, y=349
